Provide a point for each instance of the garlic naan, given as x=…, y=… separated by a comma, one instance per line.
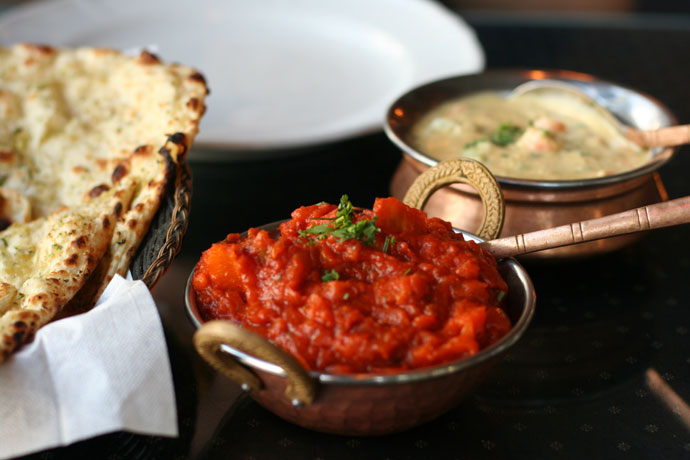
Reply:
x=90, y=140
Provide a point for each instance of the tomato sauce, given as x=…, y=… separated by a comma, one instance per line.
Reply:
x=374, y=291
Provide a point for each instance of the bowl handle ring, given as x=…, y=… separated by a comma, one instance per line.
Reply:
x=466, y=171
x=208, y=339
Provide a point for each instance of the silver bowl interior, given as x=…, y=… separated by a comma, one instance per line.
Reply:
x=631, y=107
x=520, y=304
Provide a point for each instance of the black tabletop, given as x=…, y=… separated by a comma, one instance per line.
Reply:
x=603, y=370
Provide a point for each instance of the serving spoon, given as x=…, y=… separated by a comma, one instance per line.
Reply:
x=663, y=137
x=476, y=175
x=659, y=215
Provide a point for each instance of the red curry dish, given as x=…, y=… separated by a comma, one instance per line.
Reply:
x=346, y=290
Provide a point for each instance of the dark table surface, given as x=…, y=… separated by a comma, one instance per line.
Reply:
x=603, y=370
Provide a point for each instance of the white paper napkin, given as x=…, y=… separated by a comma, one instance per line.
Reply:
x=103, y=371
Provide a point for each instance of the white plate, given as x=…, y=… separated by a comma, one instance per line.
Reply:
x=282, y=73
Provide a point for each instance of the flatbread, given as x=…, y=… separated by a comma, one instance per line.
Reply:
x=90, y=141
x=46, y=261
x=69, y=117
x=152, y=172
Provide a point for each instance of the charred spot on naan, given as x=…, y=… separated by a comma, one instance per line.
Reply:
x=7, y=158
x=17, y=327
x=97, y=190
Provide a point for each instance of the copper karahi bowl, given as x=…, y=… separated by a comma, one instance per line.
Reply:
x=355, y=404
x=536, y=204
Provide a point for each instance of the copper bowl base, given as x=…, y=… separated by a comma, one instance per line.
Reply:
x=365, y=407
x=352, y=410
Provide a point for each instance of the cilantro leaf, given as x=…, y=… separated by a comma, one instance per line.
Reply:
x=390, y=239
x=507, y=133
x=330, y=275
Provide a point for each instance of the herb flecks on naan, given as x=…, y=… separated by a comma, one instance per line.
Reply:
x=46, y=261
x=80, y=128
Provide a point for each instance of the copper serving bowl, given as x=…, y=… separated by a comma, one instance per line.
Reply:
x=354, y=404
x=536, y=204
x=368, y=404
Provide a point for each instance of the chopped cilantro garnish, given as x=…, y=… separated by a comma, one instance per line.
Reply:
x=364, y=231
x=321, y=230
x=343, y=227
x=474, y=143
x=4, y=241
x=407, y=272
x=507, y=133
x=386, y=243
x=330, y=275
x=346, y=296
x=501, y=295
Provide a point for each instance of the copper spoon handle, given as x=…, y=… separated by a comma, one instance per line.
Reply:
x=666, y=214
x=663, y=137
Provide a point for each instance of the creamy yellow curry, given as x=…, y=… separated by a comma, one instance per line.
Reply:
x=545, y=137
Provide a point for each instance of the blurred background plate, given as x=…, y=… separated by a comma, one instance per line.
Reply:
x=283, y=74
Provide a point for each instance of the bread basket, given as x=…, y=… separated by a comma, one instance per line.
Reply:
x=163, y=241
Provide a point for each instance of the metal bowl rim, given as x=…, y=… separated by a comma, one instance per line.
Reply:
x=660, y=158
x=503, y=344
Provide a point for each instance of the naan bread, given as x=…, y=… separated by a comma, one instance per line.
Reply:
x=70, y=117
x=151, y=172
x=46, y=261
x=90, y=141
